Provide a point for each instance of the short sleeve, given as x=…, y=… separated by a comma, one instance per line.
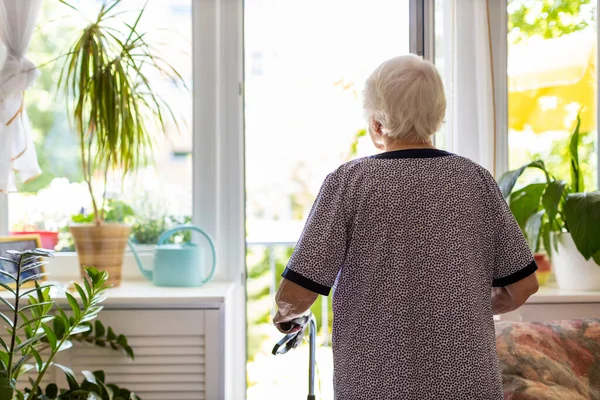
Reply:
x=321, y=250
x=513, y=259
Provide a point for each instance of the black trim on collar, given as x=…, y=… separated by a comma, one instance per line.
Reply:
x=305, y=282
x=413, y=153
x=517, y=276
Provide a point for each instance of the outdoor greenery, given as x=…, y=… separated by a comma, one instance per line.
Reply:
x=39, y=329
x=548, y=18
x=45, y=109
x=554, y=206
x=106, y=79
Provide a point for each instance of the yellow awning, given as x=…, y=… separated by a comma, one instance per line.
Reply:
x=550, y=80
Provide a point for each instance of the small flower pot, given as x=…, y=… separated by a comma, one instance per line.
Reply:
x=102, y=247
x=49, y=239
x=544, y=268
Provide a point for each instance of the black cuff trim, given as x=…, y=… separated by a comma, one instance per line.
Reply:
x=517, y=276
x=305, y=282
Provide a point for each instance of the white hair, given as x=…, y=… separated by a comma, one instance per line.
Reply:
x=406, y=96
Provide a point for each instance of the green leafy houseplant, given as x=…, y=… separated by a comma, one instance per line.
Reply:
x=554, y=206
x=115, y=111
x=39, y=329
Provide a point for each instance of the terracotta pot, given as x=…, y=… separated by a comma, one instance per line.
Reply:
x=544, y=268
x=101, y=247
x=49, y=239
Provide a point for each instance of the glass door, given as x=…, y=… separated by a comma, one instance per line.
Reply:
x=306, y=63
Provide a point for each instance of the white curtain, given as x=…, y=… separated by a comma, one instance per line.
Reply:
x=476, y=80
x=17, y=152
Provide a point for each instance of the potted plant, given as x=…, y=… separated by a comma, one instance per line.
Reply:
x=115, y=112
x=562, y=218
x=39, y=329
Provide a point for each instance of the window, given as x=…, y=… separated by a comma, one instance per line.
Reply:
x=303, y=119
x=161, y=193
x=552, y=75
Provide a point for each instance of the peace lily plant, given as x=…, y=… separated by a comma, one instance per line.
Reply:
x=554, y=210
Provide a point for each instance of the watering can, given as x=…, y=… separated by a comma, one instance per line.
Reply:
x=178, y=264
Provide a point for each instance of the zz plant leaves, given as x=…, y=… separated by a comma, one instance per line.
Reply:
x=39, y=329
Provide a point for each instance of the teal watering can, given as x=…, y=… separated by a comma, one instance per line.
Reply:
x=178, y=264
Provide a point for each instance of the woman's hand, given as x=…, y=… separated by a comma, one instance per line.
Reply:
x=279, y=320
x=293, y=301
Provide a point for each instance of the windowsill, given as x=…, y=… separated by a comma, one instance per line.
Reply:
x=553, y=295
x=65, y=266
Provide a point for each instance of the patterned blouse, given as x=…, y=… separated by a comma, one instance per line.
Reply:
x=412, y=242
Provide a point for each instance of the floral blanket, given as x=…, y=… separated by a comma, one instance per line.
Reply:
x=551, y=360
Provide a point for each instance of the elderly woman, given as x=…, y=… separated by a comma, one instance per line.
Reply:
x=421, y=250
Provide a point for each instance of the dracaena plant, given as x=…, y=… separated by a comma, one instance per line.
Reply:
x=39, y=329
x=554, y=206
x=114, y=108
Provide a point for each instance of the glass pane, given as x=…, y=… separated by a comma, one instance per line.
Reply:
x=552, y=77
x=306, y=63
x=159, y=194
x=443, y=61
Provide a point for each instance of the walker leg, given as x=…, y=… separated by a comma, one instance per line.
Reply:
x=312, y=351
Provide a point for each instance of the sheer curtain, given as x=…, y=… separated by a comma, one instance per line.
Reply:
x=17, y=152
x=476, y=80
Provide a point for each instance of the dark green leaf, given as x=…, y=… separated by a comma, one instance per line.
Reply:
x=84, y=298
x=122, y=340
x=38, y=359
x=533, y=228
x=29, y=341
x=99, y=329
x=552, y=197
x=576, y=176
x=111, y=334
x=58, y=327
x=42, y=318
x=526, y=202
x=597, y=258
x=90, y=377
x=88, y=288
x=7, y=303
x=7, y=288
x=73, y=385
x=582, y=214
x=52, y=390
x=74, y=305
x=547, y=238
x=27, y=292
x=507, y=182
x=129, y=352
x=7, y=320
x=7, y=387
x=100, y=376
x=37, y=305
x=50, y=336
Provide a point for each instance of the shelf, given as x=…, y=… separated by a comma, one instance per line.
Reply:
x=554, y=295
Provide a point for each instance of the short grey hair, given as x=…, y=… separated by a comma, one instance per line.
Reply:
x=406, y=96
